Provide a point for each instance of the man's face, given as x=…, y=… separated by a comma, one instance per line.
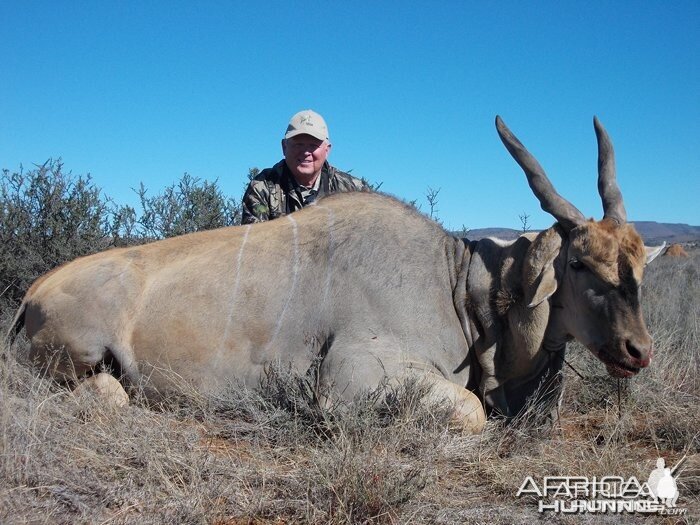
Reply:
x=305, y=156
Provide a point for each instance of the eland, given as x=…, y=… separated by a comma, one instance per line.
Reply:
x=358, y=289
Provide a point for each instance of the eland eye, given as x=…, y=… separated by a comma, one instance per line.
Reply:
x=576, y=264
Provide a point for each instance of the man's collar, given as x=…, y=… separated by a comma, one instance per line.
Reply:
x=315, y=186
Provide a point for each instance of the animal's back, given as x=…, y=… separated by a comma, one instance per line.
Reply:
x=213, y=306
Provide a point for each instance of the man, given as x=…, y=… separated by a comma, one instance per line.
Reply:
x=303, y=175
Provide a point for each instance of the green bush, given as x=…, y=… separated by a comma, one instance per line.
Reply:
x=188, y=206
x=47, y=217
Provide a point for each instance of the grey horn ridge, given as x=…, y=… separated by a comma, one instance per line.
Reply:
x=562, y=210
x=613, y=207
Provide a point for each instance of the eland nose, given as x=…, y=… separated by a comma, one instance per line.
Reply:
x=640, y=354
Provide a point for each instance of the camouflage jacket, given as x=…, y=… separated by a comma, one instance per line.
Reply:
x=274, y=192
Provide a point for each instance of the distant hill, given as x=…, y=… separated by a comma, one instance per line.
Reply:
x=657, y=232
x=653, y=233
x=500, y=233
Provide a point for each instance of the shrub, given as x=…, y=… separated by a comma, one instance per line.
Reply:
x=47, y=217
x=188, y=206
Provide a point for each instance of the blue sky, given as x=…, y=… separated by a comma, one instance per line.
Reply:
x=144, y=91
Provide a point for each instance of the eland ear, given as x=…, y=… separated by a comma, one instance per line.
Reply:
x=539, y=277
x=545, y=286
x=654, y=251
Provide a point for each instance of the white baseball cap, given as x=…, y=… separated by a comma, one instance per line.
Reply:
x=307, y=122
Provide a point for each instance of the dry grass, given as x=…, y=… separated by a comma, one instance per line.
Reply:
x=276, y=457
